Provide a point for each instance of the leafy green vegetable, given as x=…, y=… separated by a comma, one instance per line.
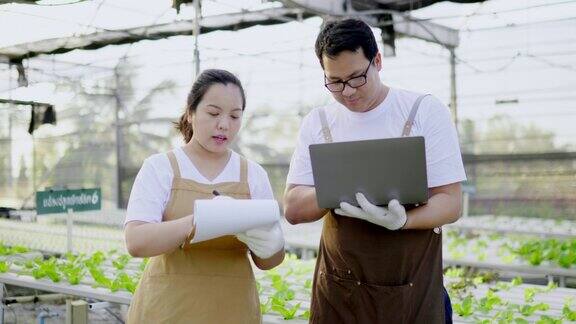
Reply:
x=568, y=313
x=487, y=303
x=48, y=268
x=517, y=281
x=529, y=310
x=121, y=261
x=465, y=308
x=266, y=307
x=454, y=272
x=529, y=294
x=4, y=266
x=545, y=319
x=287, y=311
x=99, y=277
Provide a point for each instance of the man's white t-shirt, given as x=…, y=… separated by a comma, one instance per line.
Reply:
x=153, y=184
x=433, y=122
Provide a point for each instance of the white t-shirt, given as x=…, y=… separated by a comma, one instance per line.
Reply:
x=433, y=122
x=153, y=184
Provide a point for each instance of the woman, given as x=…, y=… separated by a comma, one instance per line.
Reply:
x=211, y=281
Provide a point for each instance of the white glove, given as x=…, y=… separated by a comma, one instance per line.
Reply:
x=393, y=217
x=220, y=197
x=264, y=242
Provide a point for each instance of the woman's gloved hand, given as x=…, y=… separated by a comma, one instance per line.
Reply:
x=393, y=217
x=264, y=242
x=220, y=197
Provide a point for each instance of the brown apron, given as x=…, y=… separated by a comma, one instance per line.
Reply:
x=366, y=273
x=207, y=282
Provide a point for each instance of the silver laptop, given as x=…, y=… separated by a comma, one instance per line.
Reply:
x=382, y=169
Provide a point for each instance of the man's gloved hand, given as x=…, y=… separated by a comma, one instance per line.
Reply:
x=393, y=217
x=264, y=242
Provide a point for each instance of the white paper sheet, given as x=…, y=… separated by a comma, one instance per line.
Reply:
x=219, y=217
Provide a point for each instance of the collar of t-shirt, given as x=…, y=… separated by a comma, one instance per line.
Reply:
x=189, y=171
x=371, y=114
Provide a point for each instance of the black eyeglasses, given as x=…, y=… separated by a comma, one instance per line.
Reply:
x=355, y=82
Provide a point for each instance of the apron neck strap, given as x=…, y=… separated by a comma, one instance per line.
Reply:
x=325, y=129
x=413, y=111
x=174, y=164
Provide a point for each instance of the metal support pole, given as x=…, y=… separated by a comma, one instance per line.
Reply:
x=34, y=299
x=40, y=319
x=196, y=33
x=550, y=279
x=119, y=141
x=76, y=312
x=9, y=150
x=10, y=141
x=453, y=95
x=69, y=224
x=33, y=162
x=465, y=204
x=2, y=287
x=562, y=281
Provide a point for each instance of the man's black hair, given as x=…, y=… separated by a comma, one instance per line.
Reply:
x=337, y=36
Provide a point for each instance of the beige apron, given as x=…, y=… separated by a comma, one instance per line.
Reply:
x=207, y=282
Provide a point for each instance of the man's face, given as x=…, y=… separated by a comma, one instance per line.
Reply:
x=347, y=65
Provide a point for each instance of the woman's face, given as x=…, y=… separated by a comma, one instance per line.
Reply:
x=217, y=118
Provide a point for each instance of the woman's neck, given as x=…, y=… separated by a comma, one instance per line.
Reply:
x=209, y=164
x=195, y=149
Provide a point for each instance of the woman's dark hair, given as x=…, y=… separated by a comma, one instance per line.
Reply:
x=205, y=80
x=337, y=36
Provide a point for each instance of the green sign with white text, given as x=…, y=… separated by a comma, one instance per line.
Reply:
x=59, y=201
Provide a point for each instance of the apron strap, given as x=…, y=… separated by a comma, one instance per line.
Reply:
x=325, y=129
x=243, y=170
x=413, y=111
x=174, y=164
x=408, y=128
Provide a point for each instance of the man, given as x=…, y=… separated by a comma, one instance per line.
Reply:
x=375, y=264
